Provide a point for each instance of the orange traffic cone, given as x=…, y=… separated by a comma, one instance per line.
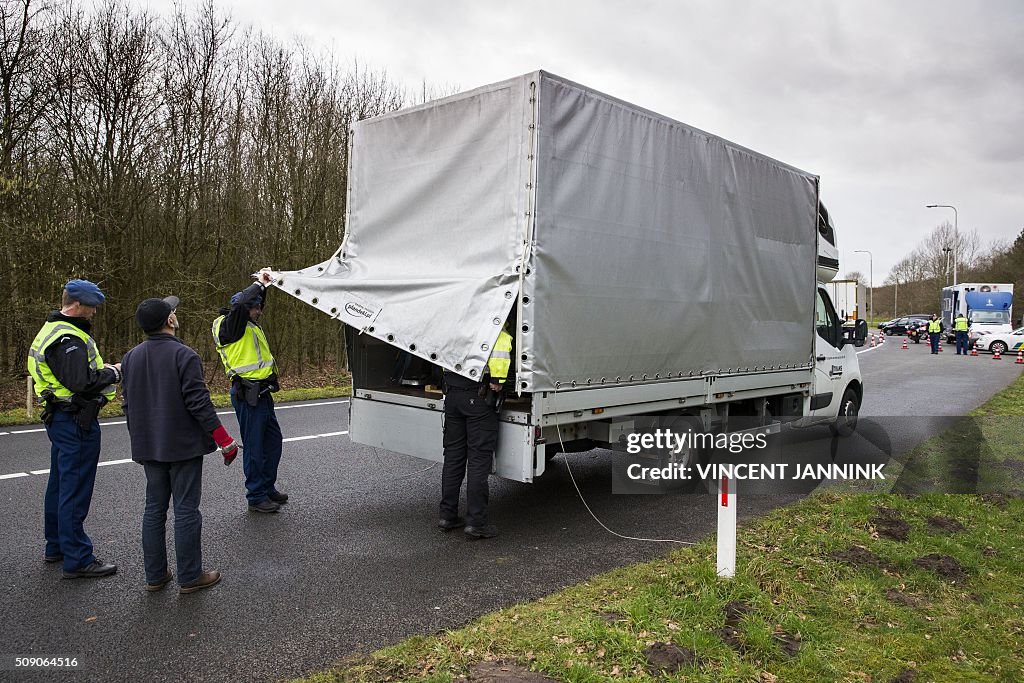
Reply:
x=940, y=347
x=995, y=354
x=881, y=339
x=872, y=341
x=904, y=343
x=1020, y=357
x=974, y=350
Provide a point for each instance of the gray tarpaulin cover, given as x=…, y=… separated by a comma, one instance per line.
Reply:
x=655, y=249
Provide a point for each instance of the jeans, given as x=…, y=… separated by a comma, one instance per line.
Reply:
x=961, y=342
x=470, y=438
x=261, y=441
x=184, y=481
x=933, y=337
x=74, y=453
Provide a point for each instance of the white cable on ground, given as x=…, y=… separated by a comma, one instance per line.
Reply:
x=587, y=506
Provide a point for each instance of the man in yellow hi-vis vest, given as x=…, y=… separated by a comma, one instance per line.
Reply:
x=934, y=330
x=470, y=439
x=960, y=327
x=247, y=360
x=74, y=383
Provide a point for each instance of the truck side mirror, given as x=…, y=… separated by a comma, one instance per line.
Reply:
x=857, y=334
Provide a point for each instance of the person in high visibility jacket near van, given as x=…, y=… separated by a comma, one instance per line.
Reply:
x=470, y=439
x=960, y=328
x=73, y=382
x=245, y=354
x=934, y=331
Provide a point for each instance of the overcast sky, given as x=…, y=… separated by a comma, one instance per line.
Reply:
x=894, y=104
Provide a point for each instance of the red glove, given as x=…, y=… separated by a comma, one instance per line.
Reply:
x=228, y=447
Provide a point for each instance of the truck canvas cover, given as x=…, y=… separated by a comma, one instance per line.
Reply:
x=644, y=249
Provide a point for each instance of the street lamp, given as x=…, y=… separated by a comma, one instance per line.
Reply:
x=871, y=281
x=956, y=234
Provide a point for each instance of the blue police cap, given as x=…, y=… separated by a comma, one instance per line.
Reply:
x=85, y=292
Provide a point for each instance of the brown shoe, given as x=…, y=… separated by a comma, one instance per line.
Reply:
x=207, y=579
x=161, y=584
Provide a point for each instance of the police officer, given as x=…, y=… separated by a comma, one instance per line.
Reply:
x=960, y=327
x=73, y=383
x=934, y=330
x=247, y=360
x=470, y=438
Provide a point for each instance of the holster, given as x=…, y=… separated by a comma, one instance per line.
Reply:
x=248, y=391
x=86, y=410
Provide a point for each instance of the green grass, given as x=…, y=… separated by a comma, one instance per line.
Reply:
x=18, y=416
x=848, y=629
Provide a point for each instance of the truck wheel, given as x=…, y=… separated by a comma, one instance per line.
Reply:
x=998, y=346
x=846, y=421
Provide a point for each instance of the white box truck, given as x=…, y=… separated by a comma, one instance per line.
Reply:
x=849, y=298
x=988, y=307
x=647, y=268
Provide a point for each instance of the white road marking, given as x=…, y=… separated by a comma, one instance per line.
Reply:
x=223, y=412
x=16, y=475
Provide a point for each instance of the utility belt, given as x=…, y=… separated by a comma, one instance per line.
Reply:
x=250, y=391
x=492, y=399
x=84, y=410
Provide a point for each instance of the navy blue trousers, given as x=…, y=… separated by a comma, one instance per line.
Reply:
x=933, y=337
x=261, y=442
x=184, y=481
x=470, y=438
x=961, y=342
x=74, y=453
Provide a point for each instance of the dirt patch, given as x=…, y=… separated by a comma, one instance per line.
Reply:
x=901, y=598
x=501, y=672
x=998, y=499
x=789, y=643
x=943, y=565
x=989, y=551
x=857, y=556
x=610, y=617
x=667, y=658
x=905, y=676
x=731, y=637
x=945, y=524
x=888, y=513
x=735, y=610
x=891, y=528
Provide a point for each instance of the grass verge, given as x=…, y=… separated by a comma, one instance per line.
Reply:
x=840, y=587
x=17, y=416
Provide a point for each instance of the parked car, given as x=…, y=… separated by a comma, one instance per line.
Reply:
x=882, y=325
x=900, y=325
x=1004, y=341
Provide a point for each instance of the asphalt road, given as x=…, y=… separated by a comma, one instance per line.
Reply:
x=354, y=562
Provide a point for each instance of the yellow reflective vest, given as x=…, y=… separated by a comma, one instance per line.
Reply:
x=249, y=357
x=934, y=326
x=501, y=358
x=960, y=324
x=43, y=377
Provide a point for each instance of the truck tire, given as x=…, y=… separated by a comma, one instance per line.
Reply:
x=846, y=422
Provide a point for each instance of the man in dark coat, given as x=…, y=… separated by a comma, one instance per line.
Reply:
x=172, y=424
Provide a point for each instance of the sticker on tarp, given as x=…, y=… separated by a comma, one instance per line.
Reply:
x=358, y=313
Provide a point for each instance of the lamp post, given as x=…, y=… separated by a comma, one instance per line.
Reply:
x=956, y=234
x=871, y=281
x=896, y=298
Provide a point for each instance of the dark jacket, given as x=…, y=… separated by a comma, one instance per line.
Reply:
x=68, y=359
x=237, y=317
x=170, y=414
